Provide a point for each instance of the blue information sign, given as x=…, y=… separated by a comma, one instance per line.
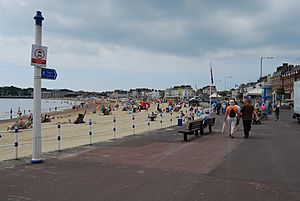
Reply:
x=48, y=73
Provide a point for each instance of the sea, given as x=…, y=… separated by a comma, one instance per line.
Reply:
x=10, y=108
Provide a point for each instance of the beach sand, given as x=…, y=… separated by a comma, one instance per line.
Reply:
x=78, y=134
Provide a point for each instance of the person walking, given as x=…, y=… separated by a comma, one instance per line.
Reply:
x=231, y=115
x=247, y=112
x=276, y=112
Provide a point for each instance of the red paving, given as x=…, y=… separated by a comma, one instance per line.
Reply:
x=200, y=155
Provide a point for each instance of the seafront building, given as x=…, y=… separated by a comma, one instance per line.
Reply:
x=117, y=94
x=281, y=84
x=144, y=93
x=282, y=81
x=182, y=92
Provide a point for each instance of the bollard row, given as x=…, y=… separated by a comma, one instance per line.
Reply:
x=90, y=131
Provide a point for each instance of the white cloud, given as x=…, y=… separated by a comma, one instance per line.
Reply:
x=16, y=49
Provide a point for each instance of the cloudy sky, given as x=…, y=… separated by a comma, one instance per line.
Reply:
x=100, y=45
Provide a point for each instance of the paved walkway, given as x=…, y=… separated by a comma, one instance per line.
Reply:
x=159, y=166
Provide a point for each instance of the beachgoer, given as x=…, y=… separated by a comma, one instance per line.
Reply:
x=231, y=115
x=247, y=111
x=256, y=106
x=263, y=106
x=218, y=108
x=224, y=107
x=269, y=107
x=213, y=106
x=206, y=115
x=181, y=115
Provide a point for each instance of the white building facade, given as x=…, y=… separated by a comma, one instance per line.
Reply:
x=183, y=92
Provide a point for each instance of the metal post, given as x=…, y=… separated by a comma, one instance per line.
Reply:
x=90, y=132
x=261, y=60
x=114, y=127
x=16, y=141
x=171, y=116
x=36, y=138
x=161, y=120
x=226, y=81
x=148, y=125
x=58, y=137
x=133, y=125
x=261, y=64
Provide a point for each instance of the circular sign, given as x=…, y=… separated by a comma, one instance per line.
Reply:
x=39, y=53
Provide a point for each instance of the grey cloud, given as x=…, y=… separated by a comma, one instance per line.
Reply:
x=186, y=29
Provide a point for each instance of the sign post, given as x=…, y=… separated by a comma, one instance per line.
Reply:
x=40, y=56
x=48, y=73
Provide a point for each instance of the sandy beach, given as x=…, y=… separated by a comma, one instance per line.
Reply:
x=78, y=134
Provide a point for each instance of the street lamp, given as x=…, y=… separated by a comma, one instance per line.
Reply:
x=217, y=82
x=261, y=64
x=226, y=81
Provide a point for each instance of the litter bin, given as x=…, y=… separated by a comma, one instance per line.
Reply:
x=179, y=121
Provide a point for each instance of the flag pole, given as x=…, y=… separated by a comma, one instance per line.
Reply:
x=210, y=109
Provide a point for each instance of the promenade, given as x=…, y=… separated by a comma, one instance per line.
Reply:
x=159, y=166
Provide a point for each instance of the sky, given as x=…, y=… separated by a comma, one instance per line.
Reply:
x=101, y=45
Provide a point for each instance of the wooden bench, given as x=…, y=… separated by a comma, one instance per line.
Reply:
x=194, y=126
x=210, y=123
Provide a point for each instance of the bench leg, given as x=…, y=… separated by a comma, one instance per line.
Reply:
x=185, y=137
x=210, y=129
x=201, y=132
x=196, y=133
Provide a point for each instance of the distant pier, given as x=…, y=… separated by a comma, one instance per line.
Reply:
x=17, y=97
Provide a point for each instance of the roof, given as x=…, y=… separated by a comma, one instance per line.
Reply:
x=254, y=92
x=215, y=95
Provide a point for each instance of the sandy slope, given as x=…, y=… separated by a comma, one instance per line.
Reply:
x=75, y=135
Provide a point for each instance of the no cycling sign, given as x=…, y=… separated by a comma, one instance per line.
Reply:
x=38, y=55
